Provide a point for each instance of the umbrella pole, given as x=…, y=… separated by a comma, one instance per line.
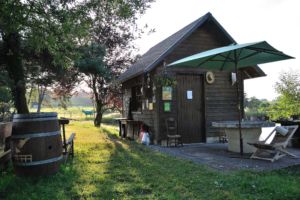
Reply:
x=239, y=107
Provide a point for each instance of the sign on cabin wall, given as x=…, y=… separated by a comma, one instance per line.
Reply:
x=150, y=106
x=189, y=94
x=166, y=93
x=167, y=106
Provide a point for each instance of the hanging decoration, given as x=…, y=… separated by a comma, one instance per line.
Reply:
x=210, y=77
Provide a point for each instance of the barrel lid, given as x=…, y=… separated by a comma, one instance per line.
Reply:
x=35, y=115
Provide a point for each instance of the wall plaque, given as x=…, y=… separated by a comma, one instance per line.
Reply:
x=167, y=93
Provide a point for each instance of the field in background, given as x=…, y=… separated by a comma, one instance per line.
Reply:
x=77, y=114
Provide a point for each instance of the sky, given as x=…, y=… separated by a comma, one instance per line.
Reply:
x=275, y=21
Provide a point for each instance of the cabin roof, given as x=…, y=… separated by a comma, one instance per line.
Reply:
x=157, y=53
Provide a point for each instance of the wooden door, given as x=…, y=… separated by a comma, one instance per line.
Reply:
x=190, y=108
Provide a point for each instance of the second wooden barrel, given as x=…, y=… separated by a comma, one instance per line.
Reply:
x=36, y=144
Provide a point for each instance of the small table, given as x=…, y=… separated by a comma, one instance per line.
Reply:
x=123, y=125
x=251, y=131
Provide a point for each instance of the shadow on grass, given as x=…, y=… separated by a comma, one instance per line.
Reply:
x=112, y=168
x=57, y=186
x=139, y=173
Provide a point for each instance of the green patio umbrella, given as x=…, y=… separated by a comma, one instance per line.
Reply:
x=232, y=58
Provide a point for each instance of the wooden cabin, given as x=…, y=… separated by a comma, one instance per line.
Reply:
x=153, y=92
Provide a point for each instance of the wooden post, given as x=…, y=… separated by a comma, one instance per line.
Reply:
x=238, y=103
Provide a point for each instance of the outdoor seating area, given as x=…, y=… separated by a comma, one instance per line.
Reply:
x=145, y=99
x=274, y=146
x=217, y=156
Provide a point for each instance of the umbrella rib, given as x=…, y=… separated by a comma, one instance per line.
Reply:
x=207, y=60
x=218, y=60
x=261, y=50
x=231, y=60
x=252, y=54
x=239, y=53
x=226, y=58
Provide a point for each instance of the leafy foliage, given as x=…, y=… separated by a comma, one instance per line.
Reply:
x=5, y=96
x=98, y=78
x=109, y=50
x=39, y=37
x=256, y=107
x=288, y=103
x=165, y=80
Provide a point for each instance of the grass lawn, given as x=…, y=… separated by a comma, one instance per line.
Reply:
x=106, y=167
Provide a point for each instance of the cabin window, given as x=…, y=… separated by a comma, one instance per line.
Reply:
x=137, y=98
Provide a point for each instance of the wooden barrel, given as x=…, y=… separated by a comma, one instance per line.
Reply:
x=36, y=144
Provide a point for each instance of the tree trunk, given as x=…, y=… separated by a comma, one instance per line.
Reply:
x=41, y=95
x=14, y=67
x=99, y=114
x=98, y=119
x=30, y=94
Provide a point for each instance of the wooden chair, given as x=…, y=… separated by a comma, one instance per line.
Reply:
x=172, y=134
x=68, y=144
x=274, y=146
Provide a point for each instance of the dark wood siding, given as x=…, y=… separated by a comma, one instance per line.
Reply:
x=220, y=97
x=190, y=110
x=204, y=38
x=221, y=102
x=146, y=116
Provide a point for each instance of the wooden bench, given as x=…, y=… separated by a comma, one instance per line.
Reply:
x=68, y=147
x=68, y=144
x=123, y=126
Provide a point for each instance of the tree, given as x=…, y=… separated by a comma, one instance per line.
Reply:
x=37, y=32
x=256, y=107
x=252, y=104
x=60, y=83
x=5, y=95
x=110, y=50
x=98, y=77
x=288, y=102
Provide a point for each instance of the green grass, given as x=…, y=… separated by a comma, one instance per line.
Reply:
x=106, y=167
x=72, y=112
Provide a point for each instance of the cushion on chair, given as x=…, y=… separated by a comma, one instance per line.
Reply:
x=281, y=130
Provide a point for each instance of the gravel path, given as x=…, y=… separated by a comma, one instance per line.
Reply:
x=217, y=157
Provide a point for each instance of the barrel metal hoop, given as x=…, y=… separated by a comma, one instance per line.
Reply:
x=36, y=119
x=35, y=135
x=40, y=162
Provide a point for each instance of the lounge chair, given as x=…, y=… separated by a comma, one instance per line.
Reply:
x=274, y=146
